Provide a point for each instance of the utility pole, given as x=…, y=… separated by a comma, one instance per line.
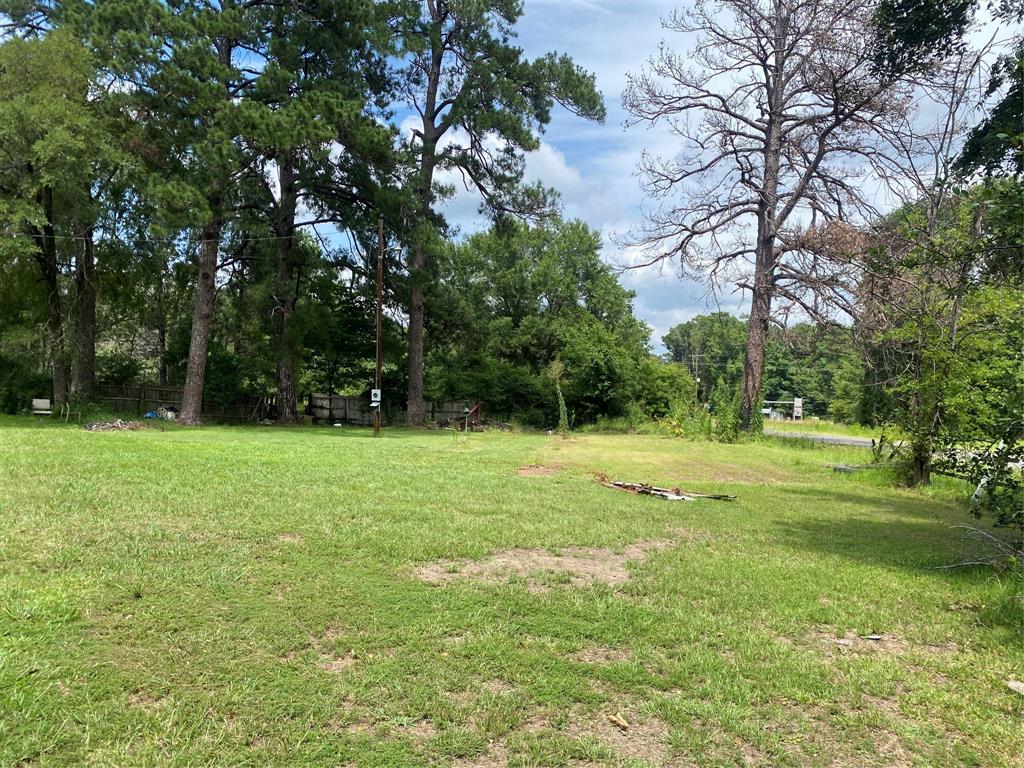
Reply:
x=380, y=298
x=695, y=369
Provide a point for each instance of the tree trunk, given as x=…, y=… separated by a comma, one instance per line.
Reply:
x=161, y=345
x=202, y=323
x=286, y=293
x=161, y=331
x=83, y=365
x=764, y=259
x=46, y=257
x=415, y=407
x=753, y=362
x=922, y=469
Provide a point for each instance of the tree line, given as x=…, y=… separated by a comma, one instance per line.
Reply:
x=168, y=168
x=191, y=191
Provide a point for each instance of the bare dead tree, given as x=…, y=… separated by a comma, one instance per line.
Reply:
x=778, y=112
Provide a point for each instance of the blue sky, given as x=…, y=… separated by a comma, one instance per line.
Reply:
x=592, y=165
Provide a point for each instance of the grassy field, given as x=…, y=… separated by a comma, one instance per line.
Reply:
x=317, y=597
x=824, y=427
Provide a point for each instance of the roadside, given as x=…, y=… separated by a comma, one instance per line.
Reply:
x=858, y=442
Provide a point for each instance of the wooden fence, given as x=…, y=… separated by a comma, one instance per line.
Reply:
x=139, y=399
x=338, y=409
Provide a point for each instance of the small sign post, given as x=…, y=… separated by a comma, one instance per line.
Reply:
x=798, y=409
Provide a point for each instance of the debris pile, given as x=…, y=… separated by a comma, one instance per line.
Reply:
x=475, y=425
x=669, y=494
x=112, y=426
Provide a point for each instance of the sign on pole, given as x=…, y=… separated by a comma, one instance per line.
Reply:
x=374, y=395
x=798, y=408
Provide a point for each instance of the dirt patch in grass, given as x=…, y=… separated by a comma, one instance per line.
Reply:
x=537, y=470
x=143, y=700
x=337, y=663
x=885, y=644
x=600, y=655
x=818, y=735
x=575, y=566
x=496, y=756
x=419, y=731
x=639, y=740
x=289, y=538
x=499, y=687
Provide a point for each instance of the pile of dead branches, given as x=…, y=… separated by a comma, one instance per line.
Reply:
x=117, y=425
x=668, y=494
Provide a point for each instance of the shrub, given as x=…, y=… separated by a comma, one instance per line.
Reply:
x=115, y=367
x=688, y=420
x=19, y=384
x=725, y=406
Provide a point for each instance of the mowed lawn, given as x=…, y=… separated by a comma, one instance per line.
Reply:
x=318, y=597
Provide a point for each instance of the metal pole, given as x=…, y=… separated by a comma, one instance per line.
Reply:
x=380, y=297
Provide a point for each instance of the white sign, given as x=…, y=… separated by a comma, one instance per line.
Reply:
x=798, y=407
x=374, y=395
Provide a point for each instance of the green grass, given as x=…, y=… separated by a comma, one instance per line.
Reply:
x=825, y=427
x=242, y=596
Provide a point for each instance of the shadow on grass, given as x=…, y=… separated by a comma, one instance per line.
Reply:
x=905, y=533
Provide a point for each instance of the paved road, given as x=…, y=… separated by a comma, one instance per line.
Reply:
x=857, y=442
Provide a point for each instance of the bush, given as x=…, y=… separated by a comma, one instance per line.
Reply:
x=725, y=406
x=19, y=384
x=688, y=420
x=635, y=416
x=117, y=368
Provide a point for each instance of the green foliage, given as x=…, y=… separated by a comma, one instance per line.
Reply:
x=117, y=367
x=555, y=371
x=725, y=408
x=711, y=346
x=55, y=137
x=19, y=383
x=688, y=420
x=512, y=300
x=847, y=388
x=996, y=144
x=803, y=360
x=914, y=34
x=949, y=362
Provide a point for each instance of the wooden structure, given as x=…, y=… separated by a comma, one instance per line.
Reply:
x=139, y=399
x=340, y=409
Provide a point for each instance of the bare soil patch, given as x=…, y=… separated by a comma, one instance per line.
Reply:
x=601, y=655
x=877, y=643
x=289, y=538
x=577, y=566
x=337, y=663
x=419, y=731
x=536, y=470
x=499, y=687
x=826, y=738
x=496, y=756
x=646, y=740
x=144, y=700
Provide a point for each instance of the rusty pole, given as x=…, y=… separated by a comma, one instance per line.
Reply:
x=380, y=299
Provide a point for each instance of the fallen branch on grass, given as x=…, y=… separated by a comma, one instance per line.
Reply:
x=668, y=494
